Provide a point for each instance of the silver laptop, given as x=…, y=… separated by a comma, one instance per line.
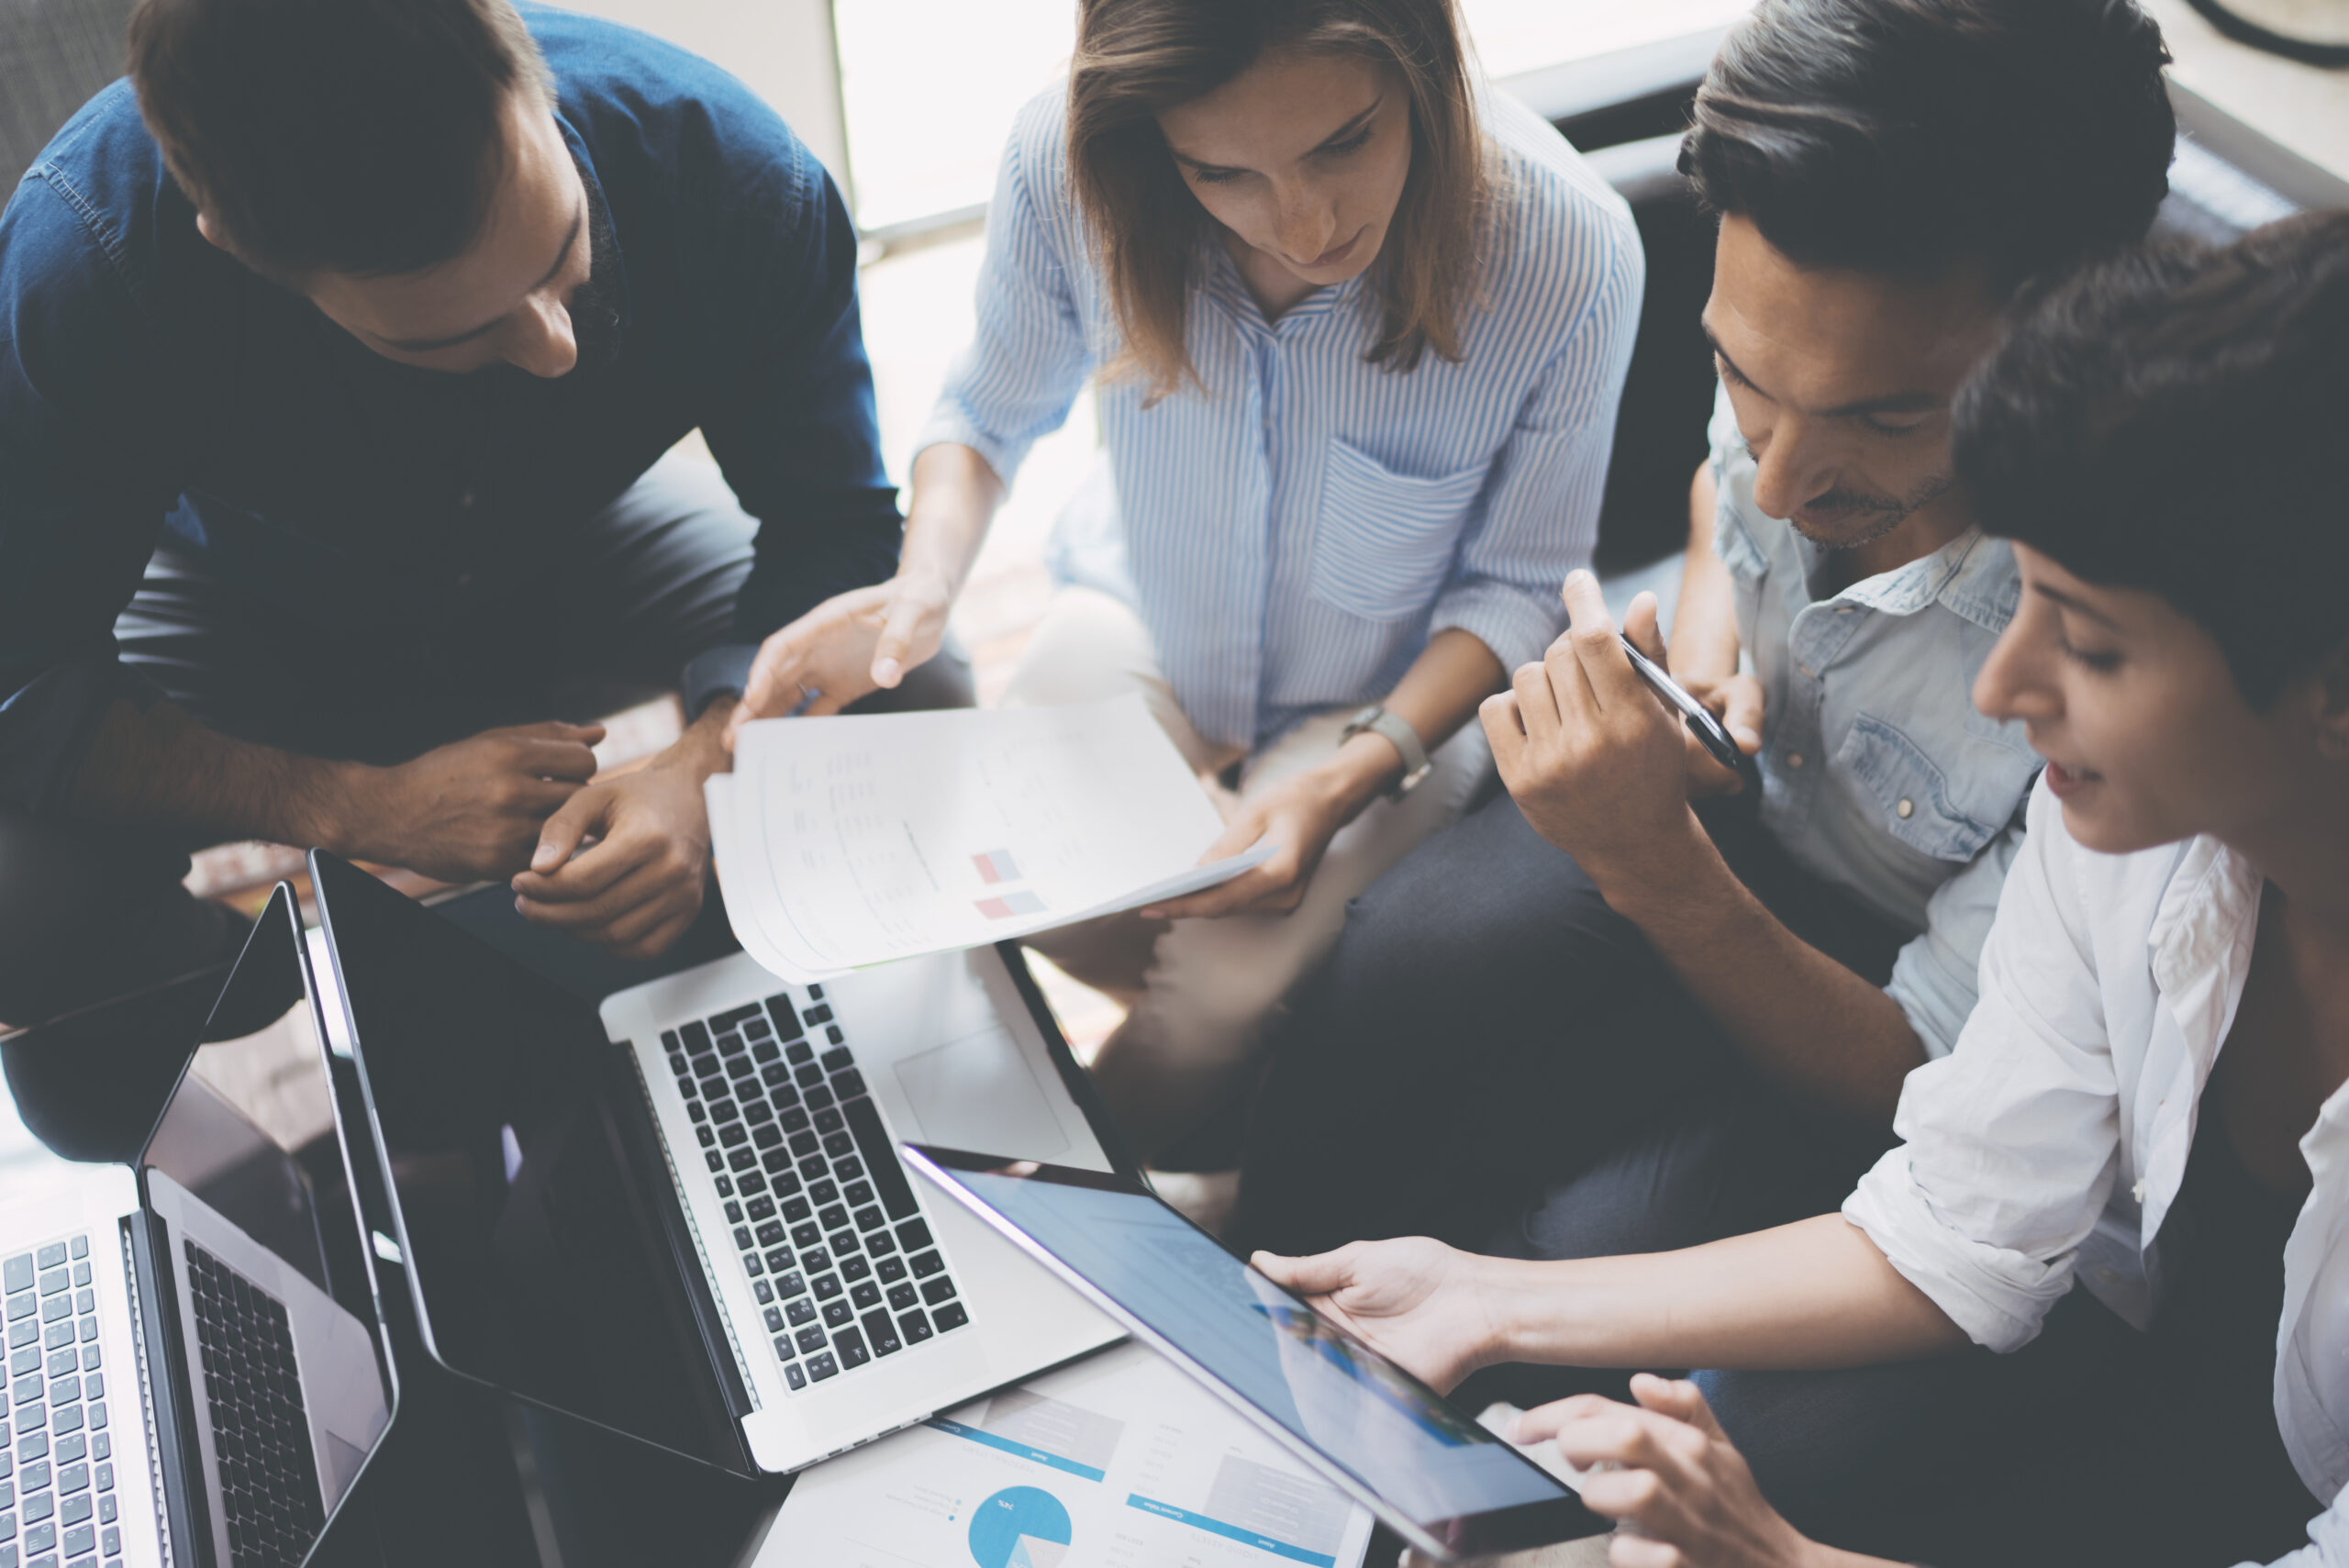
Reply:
x=194, y=1371
x=686, y=1219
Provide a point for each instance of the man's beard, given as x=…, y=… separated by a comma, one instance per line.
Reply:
x=594, y=306
x=1886, y=512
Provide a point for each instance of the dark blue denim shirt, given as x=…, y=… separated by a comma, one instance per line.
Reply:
x=149, y=382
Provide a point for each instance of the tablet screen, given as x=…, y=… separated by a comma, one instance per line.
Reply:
x=1396, y=1435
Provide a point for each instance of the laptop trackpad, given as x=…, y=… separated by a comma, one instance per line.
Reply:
x=978, y=1093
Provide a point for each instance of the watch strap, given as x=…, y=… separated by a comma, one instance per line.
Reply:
x=1376, y=720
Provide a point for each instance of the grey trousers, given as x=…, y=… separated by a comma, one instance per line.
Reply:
x=91, y=911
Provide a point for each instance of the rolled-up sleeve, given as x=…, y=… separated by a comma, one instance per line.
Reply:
x=1935, y=976
x=81, y=497
x=1539, y=515
x=2328, y=1544
x=2009, y=1144
x=1028, y=357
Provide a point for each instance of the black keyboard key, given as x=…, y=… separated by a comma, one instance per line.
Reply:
x=790, y=1284
x=815, y=1259
x=901, y=1296
x=693, y=1109
x=814, y=1016
x=915, y=1327
x=779, y=1260
x=751, y=1264
x=734, y=1135
x=880, y=1241
x=913, y=1235
x=742, y=1238
x=756, y=1027
x=851, y=1345
x=778, y=1164
x=835, y=1060
x=800, y=1310
x=710, y=1079
x=696, y=1037
x=936, y=1290
x=777, y=1076
x=880, y=1333
x=765, y=1051
x=706, y=1136
x=737, y=1053
x=804, y=1144
x=798, y=1051
x=741, y=1159
x=855, y=1269
x=806, y=1236
x=785, y=1017
x=891, y=1270
x=815, y=993
x=826, y=1287
x=926, y=1264
x=725, y=1110
x=868, y=1217
x=775, y=1320
x=770, y=1233
x=832, y=1218
x=842, y=1243
x=796, y=1375
x=859, y=1194
x=817, y=1098
x=669, y=1043
x=828, y=1120
x=763, y=1291
x=823, y=1191
x=837, y=1144
x=717, y=1161
x=950, y=1316
x=768, y=1136
x=752, y=1183
x=881, y=1159
x=836, y=1314
x=740, y=1068
x=785, y=1350
x=848, y=1170
x=757, y=1111
x=823, y=1366
x=760, y=1208
x=809, y=1340
x=735, y=1017
x=865, y=1295
x=794, y=1120
x=848, y=1085
x=812, y=1167
x=832, y=1033
x=809, y=1077
x=799, y=1208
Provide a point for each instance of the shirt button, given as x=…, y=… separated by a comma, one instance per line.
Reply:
x=466, y=501
x=2108, y=1276
x=2137, y=1192
x=1905, y=809
x=1794, y=758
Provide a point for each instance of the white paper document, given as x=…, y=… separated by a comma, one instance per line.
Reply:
x=845, y=842
x=1119, y=1461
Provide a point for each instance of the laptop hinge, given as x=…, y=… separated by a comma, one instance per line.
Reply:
x=126, y=1241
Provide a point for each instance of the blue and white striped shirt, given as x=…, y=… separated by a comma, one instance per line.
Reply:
x=1294, y=534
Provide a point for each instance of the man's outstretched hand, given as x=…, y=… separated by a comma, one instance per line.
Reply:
x=638, y=885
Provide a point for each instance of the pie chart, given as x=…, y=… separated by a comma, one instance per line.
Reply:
x=1020, y=1527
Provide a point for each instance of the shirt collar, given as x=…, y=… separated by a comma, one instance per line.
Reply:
x=2202, y=934
x=1973, y=575
x=599, y=201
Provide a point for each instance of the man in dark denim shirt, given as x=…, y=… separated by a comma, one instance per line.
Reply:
x=333, y=396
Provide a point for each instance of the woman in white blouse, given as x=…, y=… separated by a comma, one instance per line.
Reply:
x=2152, y=1098
x=1360, y=328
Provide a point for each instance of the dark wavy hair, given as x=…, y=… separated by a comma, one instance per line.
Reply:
x=1135, y=58
x=2171, y=421
x=1900, y=136
x=349, y=136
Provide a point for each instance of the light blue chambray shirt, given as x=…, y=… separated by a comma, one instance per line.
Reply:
x=1294, y=533
x=1877, y=775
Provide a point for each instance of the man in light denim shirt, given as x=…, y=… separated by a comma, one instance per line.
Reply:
x=1678, y=1007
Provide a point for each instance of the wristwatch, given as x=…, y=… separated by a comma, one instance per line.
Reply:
x=1405, y=738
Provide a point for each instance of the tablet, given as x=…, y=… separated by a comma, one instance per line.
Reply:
x=1434, y=1476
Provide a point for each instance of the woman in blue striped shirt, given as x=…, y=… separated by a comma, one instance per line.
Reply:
x=1359, y=326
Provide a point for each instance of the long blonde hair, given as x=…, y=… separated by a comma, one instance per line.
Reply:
x=1136, y=58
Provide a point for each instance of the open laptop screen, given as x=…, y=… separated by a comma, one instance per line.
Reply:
x=272, y=1304
x=536, y=1250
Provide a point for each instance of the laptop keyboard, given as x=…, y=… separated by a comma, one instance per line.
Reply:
x=57, y=1481
x=822, y=1215
x=261, y=1434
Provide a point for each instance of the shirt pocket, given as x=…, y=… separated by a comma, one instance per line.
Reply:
x=1920, y=809
x=1384, y=542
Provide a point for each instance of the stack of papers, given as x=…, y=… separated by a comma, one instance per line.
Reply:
x=1118, y=1462
x=845, y=842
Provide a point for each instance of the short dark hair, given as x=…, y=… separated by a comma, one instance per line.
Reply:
x=2171, y=421
x=1902, y=136
x=354, y=136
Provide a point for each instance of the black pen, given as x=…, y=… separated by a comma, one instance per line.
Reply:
x=1707, y=730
